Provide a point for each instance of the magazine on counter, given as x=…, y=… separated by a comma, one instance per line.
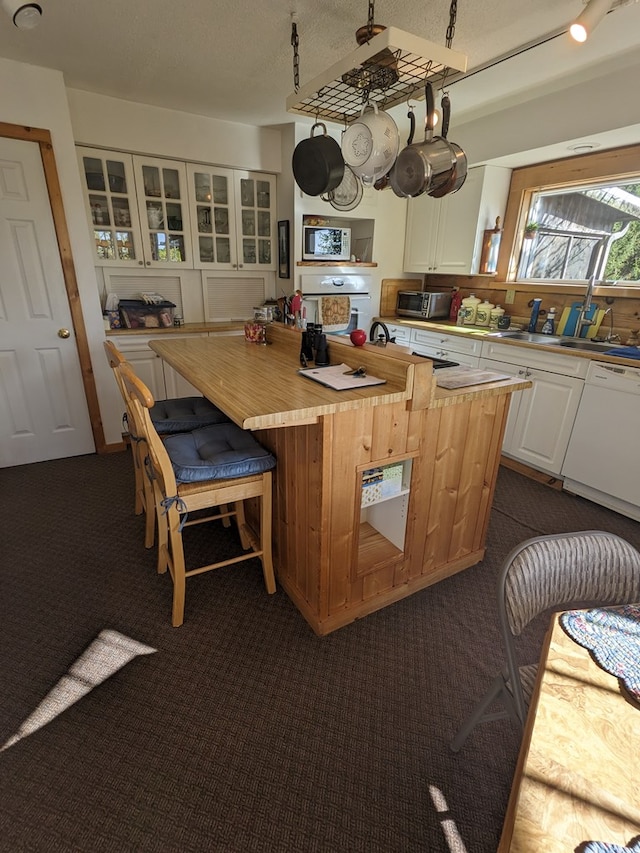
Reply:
x=462, y=377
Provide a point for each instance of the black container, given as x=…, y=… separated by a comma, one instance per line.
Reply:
x=322, y=351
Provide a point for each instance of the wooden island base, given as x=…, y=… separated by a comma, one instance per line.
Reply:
x=427, y=508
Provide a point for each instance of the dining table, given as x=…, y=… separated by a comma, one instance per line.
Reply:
x=576, y=787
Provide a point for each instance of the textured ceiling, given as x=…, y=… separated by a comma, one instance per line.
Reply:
x=232, y=59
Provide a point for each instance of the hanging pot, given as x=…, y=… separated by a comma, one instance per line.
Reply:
x=387, y=180
x=458, y=174
x=348, y=193
x=317, y=163
x=427, y=165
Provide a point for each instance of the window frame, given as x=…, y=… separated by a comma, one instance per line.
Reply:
x=615, y=164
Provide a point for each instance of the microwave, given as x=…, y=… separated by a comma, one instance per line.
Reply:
x=423, y=306
x=324, y=243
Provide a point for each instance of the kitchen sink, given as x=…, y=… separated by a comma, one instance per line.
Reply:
x=530, y=337
x=592, y=346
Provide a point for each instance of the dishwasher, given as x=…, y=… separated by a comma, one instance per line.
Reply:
x=601, y=463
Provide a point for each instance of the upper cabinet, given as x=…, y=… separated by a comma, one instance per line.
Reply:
x=233, y=216
x=147, y=212
x=137, y=209
x=445, y=235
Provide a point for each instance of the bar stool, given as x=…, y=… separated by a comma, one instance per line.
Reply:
x=176, y=415
x=210, y=468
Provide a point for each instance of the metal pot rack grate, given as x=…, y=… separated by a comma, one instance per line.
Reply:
x=388, y=69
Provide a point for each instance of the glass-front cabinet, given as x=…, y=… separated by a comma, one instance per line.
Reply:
x=137, y=209
x=233, y=216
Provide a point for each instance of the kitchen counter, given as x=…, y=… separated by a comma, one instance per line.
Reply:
x=184, y=329
x=436, y=454
x=476, y=333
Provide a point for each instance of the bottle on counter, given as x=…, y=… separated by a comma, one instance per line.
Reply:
x=469, y=306
x=494, y=318
x=549, y=325
x=535, y=311
x=483, y=313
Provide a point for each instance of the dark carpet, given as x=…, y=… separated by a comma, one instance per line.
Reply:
x=245, y=731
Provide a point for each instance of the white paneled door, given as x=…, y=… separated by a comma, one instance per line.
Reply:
x=43, y=408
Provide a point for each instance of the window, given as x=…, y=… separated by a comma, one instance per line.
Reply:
x=585, y=213
x=591, y=230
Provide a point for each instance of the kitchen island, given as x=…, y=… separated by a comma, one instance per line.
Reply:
x=379, y=491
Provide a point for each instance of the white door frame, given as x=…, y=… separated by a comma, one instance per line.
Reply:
x=42, y=138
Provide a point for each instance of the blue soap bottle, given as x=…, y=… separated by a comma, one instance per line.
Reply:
x=534, y=315
x=549, y=325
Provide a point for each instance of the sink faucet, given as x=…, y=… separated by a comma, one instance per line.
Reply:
x=583, y=320
x=384, y=337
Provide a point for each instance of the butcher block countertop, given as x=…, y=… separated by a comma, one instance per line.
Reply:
x=279, y=396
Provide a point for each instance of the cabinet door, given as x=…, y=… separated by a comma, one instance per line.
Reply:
x=175, y=384
x=255, y=220
x=545, y=420
x=147, y=365
x=212, y=203
x=420, y=235
x=110, y=199
x=509, y=442
x=163, y=210
x=458, y=226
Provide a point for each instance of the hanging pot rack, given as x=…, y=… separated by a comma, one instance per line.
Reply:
x=338, y=93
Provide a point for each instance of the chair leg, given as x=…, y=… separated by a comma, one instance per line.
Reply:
x=177, y=567
x=266, y=513
x=139, y=480
x=497, y=689
x=241, y=522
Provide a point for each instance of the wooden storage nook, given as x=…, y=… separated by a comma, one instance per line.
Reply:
x=439, y=450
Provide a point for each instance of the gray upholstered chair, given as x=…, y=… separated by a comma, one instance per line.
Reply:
x=589, y=568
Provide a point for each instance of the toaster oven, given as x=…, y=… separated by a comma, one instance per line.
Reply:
x=422, y=305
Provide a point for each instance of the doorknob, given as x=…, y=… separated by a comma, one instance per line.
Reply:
x=64, y=333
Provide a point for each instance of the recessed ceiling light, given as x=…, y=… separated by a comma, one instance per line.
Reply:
x=583, y=147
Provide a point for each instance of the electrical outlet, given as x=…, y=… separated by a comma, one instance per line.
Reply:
x=510, y=297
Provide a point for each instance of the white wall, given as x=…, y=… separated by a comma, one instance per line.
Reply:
x=113, y=123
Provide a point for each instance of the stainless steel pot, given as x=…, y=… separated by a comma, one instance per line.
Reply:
x=425, y=166
x=458, y=173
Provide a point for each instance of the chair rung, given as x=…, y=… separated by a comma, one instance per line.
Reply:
x=230, y=562
x=215, y=517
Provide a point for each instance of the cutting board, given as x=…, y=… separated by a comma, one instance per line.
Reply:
x=569, y=320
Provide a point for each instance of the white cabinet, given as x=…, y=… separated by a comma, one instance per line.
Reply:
x=137, y=209
x=448, y=347
x=541, y=418
x=402, y=334
x=233, y=217
x=445, y=235
x=161, y=379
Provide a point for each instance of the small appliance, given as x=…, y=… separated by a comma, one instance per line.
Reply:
x=325, y=243
x=422, y=305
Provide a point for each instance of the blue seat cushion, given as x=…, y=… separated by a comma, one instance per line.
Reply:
x=182, y=414
x=218, y=452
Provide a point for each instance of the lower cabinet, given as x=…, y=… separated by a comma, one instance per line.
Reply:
x=448, y=347
x=541, y=418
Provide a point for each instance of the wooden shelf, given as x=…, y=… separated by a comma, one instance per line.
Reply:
x=335, y=264
x=375, y=550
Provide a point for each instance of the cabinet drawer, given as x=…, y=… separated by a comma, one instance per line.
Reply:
x=556, y=362
x=452, y=343
x=402, y=334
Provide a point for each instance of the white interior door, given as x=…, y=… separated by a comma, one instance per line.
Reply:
x=43, y=408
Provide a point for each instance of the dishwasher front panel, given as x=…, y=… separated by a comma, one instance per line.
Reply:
x=603, y=449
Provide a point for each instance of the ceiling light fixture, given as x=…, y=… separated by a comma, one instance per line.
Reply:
x=25, y=16
x=589, y=18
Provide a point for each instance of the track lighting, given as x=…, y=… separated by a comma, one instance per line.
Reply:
x=589, y=18
x=25, y=16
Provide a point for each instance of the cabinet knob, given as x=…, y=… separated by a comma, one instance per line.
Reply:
x=140, y=263
x=148, y=263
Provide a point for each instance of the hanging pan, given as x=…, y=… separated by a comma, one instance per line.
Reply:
x=317, y=163
x=387, y=180
x=348, y=193
x=458, y=174
x=427, y=165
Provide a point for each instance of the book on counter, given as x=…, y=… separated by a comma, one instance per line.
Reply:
x=340, y=377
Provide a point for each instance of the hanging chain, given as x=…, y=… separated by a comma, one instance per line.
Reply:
x=295, y=42
x=451, y=29
x=370, y=18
